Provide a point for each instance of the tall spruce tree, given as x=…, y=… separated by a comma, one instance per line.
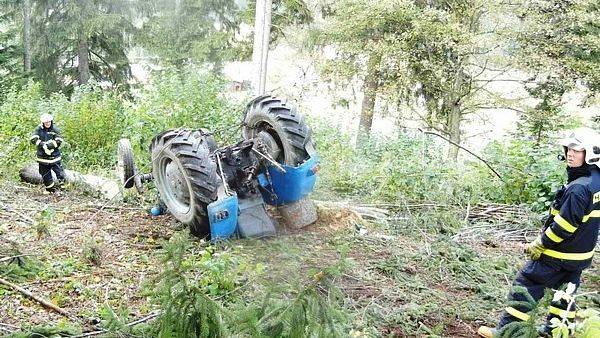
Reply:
x=11, y=66
x=78, y=40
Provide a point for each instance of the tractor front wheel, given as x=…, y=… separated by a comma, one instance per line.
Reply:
x=277, y=121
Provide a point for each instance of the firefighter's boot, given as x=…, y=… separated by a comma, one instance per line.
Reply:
x=486, y=332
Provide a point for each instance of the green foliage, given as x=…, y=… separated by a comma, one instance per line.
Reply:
x=560, y=37
x=186, y=309
x=208, y=32
x=11, y=65
x=548, y=116
x=21, y=268
x=91, y=123
x=114, y=319
x=590, y=327
x=65, y=31
x=311, y=310
x=310, y=314
x=531, y=172
x=190, y=98
x=63, y=329
x=93, y=119
x=196, y=31
x=19, y=117
x=92, y=252
x=43, y=222
x=524, y=329
x=408, y=167
x=284, y=13
x=428, y=55
x=413, y=168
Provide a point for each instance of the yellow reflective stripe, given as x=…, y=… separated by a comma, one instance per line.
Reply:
x=571, y=256
x=552, y=235
x=564, y=224
x=43, y=160
x=50, y=186
x=595, y=213
x=34, y=137
x=553, y=211
x=517, y=314
x=561, y=313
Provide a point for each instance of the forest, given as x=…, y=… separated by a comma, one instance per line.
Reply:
x=435, y=123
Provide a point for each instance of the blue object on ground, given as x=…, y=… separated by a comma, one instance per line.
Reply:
x=157, y=211
x=223, y=217
x=291, y=186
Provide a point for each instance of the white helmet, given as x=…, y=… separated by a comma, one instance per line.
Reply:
x=46, y=118
x=583, y=139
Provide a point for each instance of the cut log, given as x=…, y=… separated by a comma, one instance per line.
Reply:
x=107, y=187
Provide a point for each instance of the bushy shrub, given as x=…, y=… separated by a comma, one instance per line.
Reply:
x=93, y=119
x=193, y=99
x=414, y=168
x=18, y=116
x=531, y=172
x=407, y=167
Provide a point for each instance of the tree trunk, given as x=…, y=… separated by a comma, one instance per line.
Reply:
x=83, y=66
x=26, y=36
x=370, y=87
x=454, y=110
x=453, y=129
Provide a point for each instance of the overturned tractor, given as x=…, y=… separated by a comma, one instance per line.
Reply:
x=222, y=191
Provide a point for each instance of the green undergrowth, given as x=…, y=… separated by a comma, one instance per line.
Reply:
x=93, y=119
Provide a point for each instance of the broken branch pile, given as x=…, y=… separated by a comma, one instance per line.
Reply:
x=500, y=222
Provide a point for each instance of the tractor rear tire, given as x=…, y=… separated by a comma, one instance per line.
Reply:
x=210, y=140
x=186, y=177
x=125, y=165
x=283, y=123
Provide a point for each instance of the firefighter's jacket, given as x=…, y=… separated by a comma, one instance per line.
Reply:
x=571, y=232
x=47, y=142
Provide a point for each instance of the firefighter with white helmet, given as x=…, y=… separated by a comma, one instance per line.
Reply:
x=566, y=243
x=46, y=137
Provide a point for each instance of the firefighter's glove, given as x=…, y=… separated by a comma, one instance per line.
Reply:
x=46, y=149
x=535, y=248
x=52, y=144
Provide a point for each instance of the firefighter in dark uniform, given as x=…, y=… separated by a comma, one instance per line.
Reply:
x=47, y=140
x=566, y=244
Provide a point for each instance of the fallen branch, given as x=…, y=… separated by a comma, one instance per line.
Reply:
x=465, y=149
x=3, y=259
x=139, y=321
x=5, y=330
x=362, y=211
x=42, y=301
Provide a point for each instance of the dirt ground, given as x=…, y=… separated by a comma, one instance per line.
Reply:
x=384, y=280
x=126, y=235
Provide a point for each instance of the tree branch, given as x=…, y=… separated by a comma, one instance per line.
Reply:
x=498, y=107
x=465, y=149
x=42, y=301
